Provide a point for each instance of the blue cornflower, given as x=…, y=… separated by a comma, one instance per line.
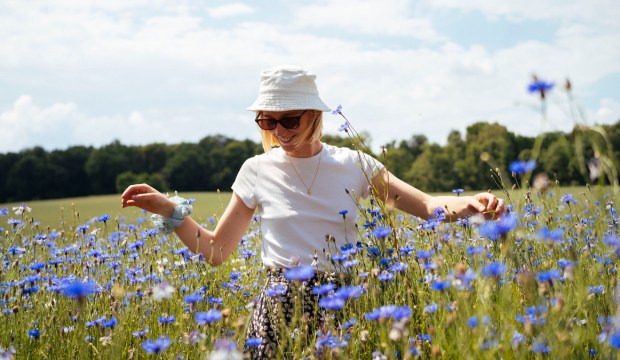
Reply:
x=340, y=257
x=350, y=263
x=540, y=86
x=337, y=110
x=382, y=231
x=517, y=339
x=349, y=324
x=614, y=339
x=329, y=341
x=494, y=229
x=166, y=319
x=423, y=254
x=471, y=250
x=156, y=347
x=344, y=127
x=323, y=289
x=141, y=333
x=383, y=312
x=349, y=292
x=247, y=253
x=473, y=321
x=401, y=312
x=540, y=347
x=79, y=289
x=109, y=323
x=216, y=300
x=568, y=199
x=458, y=191
x=343, y=213
x=554, y=235
x=252, y=342
x=193, y=298
x=432, y=308
x=493, y=269
x=208, y=317
x=235, y=275
x=549, y=275
x=406, y=250
x=611, y=240
x=440, y=285
x=522, y=167
x=104, y=218
x=385, y=276
x=596, y=289
x=4, y=211
x=299, y=273
x=564, y=263
x=36, y=266
x=34, y=333
x=276, y=290
x=331, y=302
x=398, y=267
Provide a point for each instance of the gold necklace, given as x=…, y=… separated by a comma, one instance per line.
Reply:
x=308, y=188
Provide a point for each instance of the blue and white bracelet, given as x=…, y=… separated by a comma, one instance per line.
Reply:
x=167, y=225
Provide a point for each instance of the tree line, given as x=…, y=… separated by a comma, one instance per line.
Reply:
x=470, y=162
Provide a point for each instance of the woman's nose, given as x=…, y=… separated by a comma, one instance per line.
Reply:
x=280, y=129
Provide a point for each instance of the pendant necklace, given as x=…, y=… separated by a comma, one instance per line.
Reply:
x=308, y=188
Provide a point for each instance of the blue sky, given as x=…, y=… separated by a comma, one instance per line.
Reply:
x=89, y=72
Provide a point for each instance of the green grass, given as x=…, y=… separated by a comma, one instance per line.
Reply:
x=75, y=211
x=534, y=308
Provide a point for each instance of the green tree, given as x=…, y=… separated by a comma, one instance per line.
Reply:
x=127, y=178
x=6, y=164
x=187, y=169
x=33, y=176
x=106, y=163
x=489, y=147
x=74, y=180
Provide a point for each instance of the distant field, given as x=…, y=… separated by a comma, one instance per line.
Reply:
x=76, y=211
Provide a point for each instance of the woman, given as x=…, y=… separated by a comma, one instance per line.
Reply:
x=301, y=188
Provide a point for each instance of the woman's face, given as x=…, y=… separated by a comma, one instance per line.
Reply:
x=286, y=136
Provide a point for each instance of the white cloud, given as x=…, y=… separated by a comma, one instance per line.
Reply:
x=169, y=75
x=608, y=111
x=595, y=11
x=388, y=17
x=229, y=10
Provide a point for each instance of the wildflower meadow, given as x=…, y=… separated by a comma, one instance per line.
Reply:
x=539, y=281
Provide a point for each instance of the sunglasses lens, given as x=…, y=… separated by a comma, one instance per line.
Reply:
x=290, y=122
x=287, y=122
x=267, y=124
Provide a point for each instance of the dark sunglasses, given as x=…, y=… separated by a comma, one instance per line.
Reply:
x=289, y=122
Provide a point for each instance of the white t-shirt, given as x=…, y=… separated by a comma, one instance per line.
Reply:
x=294, y=224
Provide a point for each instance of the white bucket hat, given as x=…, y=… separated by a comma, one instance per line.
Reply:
x=287, y=87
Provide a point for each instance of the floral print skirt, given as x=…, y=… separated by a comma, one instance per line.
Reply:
x=284, y=309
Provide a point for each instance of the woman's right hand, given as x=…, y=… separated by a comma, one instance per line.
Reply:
x=147, y=198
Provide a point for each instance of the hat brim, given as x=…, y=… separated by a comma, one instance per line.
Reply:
x=286, y=102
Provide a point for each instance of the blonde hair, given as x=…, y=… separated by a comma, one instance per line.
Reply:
x=312, y=133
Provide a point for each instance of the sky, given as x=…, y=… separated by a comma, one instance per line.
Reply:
x=80, y=72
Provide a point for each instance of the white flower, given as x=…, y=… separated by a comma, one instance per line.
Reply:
x=21, y=209
x=162, y=291
x=224, y=354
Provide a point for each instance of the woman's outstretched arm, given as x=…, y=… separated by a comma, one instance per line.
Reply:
x=214, y=245
x=407, y=198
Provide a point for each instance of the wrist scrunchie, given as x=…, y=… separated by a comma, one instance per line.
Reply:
x=167, y=225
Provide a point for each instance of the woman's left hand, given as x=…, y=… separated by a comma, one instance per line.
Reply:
x=487, y=204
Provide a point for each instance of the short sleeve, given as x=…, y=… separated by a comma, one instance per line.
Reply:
x=370, y=168
x=245, y=183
